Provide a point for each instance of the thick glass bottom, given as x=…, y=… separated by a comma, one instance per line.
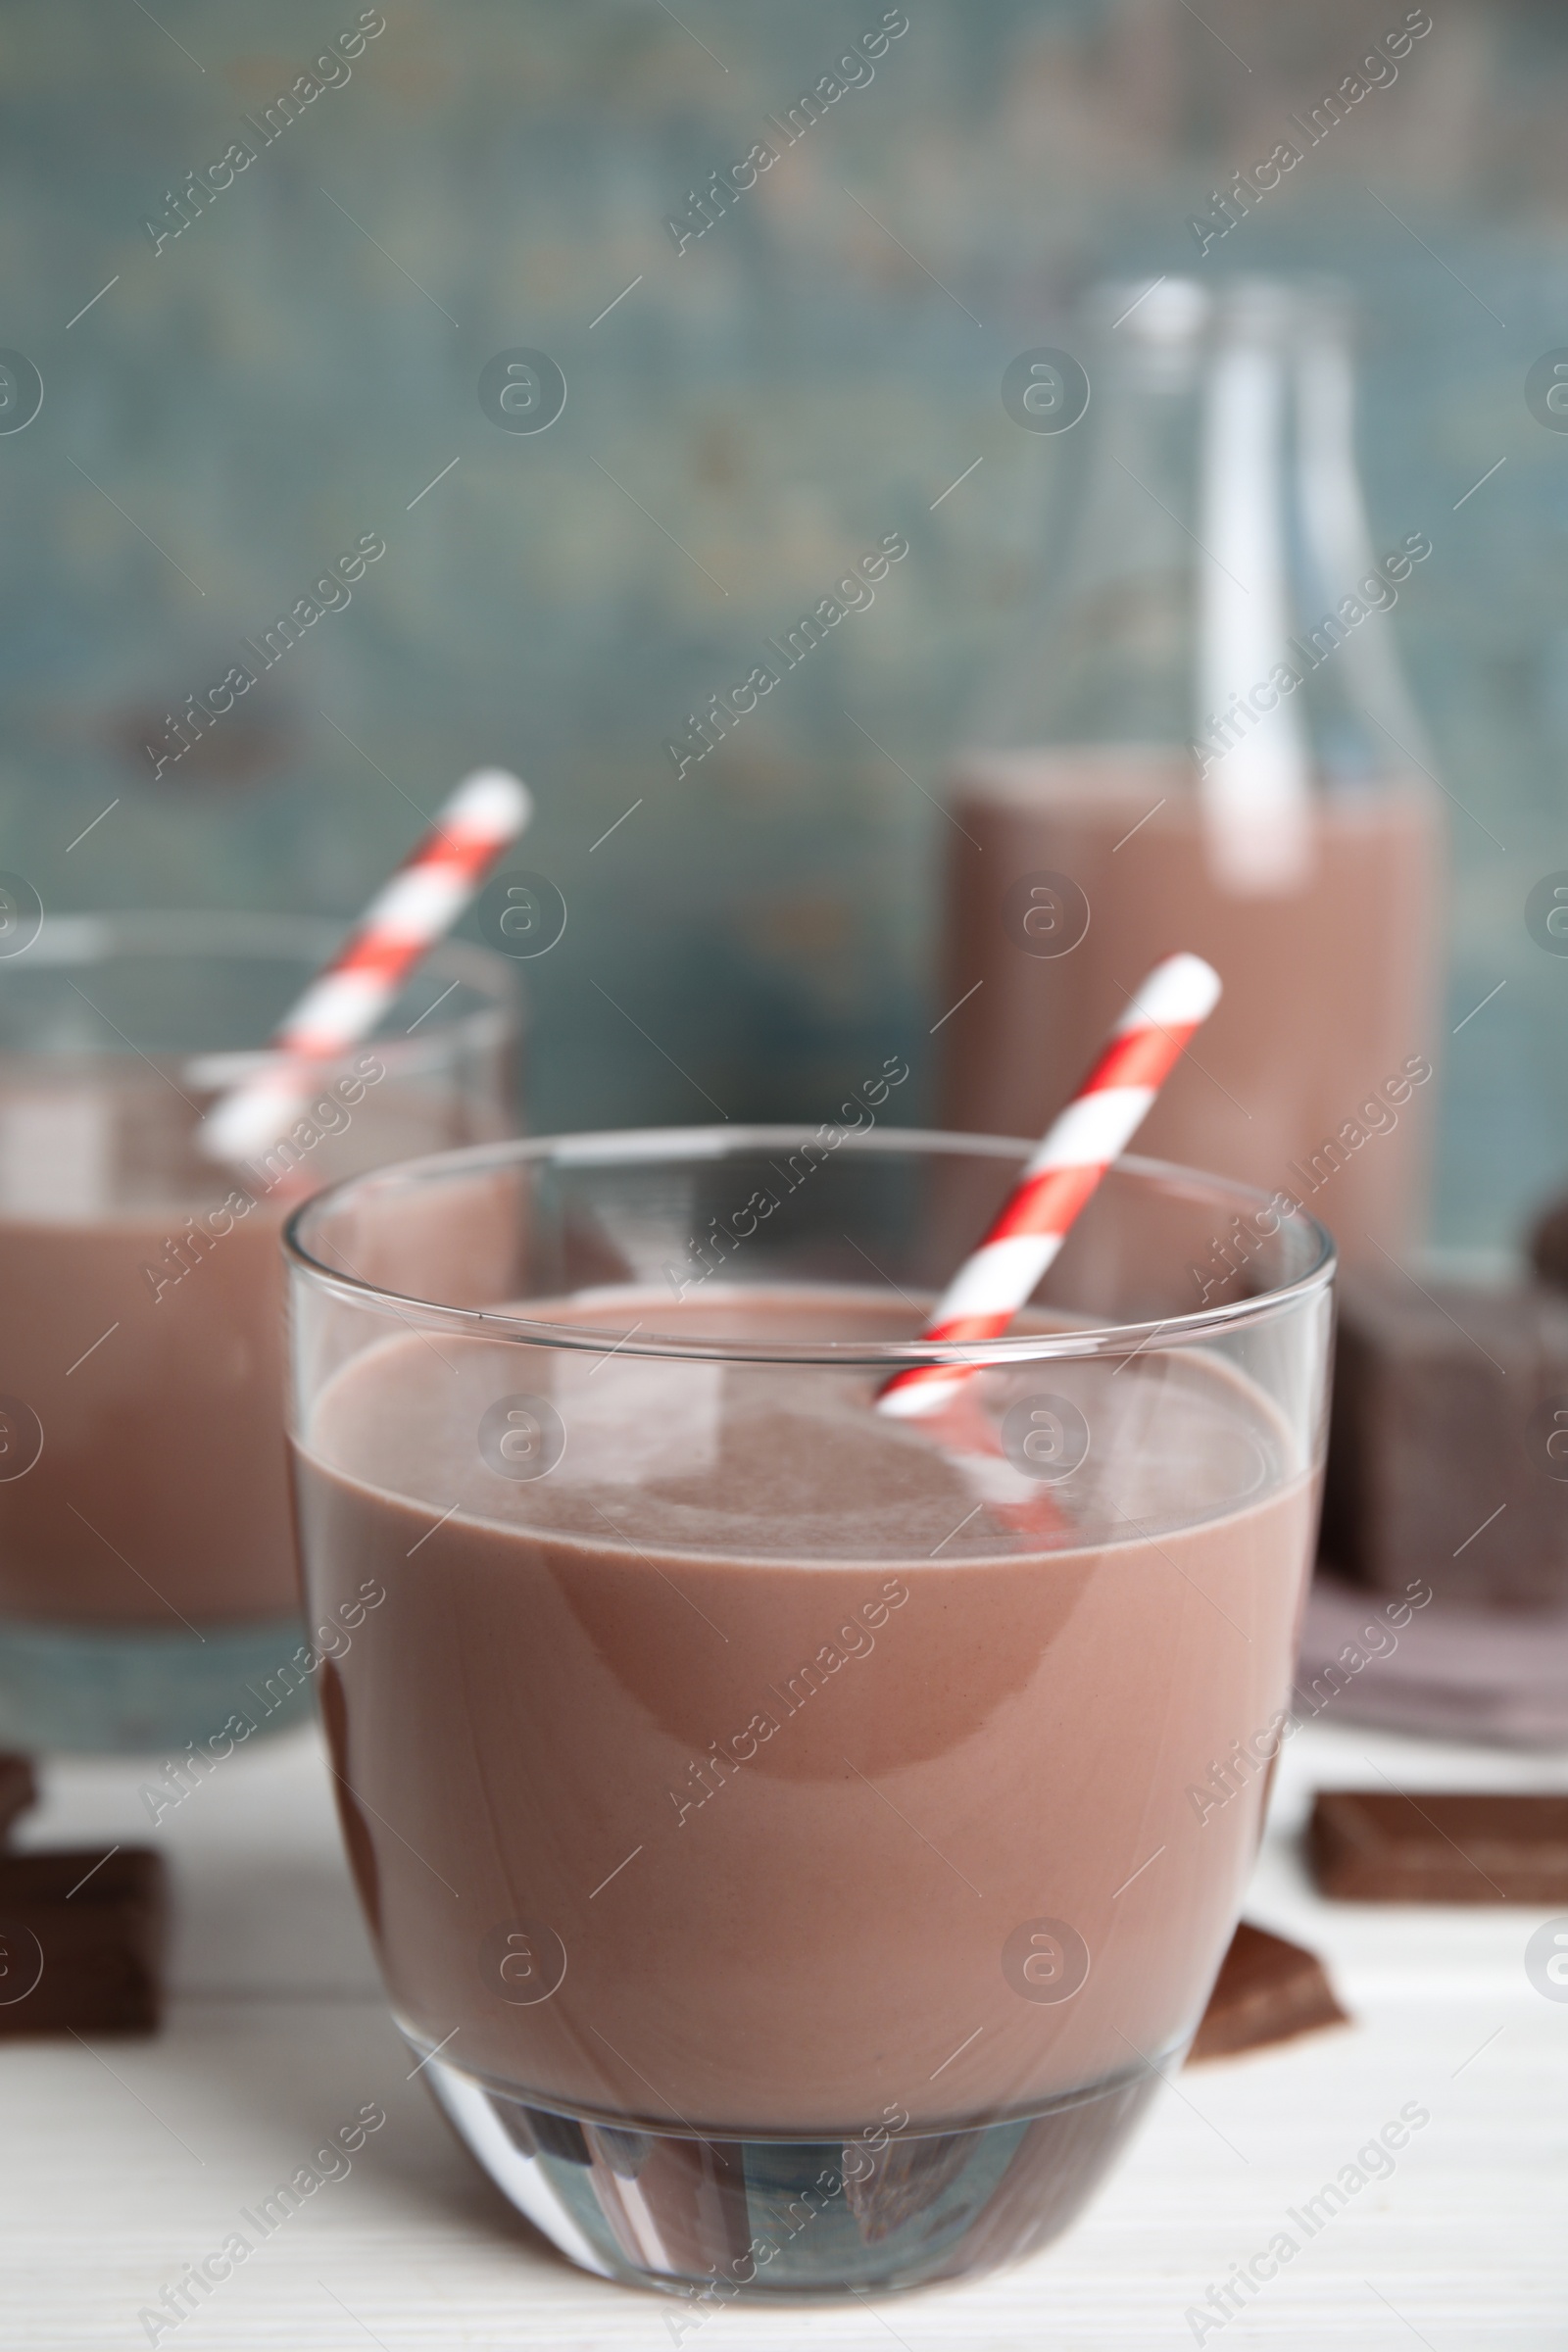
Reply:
x=119, y=1691
x=711, y=2219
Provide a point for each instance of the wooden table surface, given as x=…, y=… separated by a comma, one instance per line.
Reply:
x=125, y=2161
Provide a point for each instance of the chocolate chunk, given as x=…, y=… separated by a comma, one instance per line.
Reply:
x=1266, y=1991
x=1369, y=1845
x=81, y=1942
x=1549, y=1244
x=18, y=1789
x=1448, y=1446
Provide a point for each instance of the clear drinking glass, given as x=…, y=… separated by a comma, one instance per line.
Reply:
x=148, y=1582
x=777, y=1820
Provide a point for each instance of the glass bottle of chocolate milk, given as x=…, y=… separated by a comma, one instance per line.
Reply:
x=1204, y=741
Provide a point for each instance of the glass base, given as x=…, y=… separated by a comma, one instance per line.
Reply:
x=125, y=1692
x=717, y=2219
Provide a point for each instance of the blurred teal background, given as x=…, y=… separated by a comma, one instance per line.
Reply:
x=291, y=372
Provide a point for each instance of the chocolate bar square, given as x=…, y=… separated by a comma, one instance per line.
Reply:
x=1549, y=1244
x=1267, y=1990
x=81, y=1942
x=18, y=1789
x=1369, y=1845
x=1449, y=1444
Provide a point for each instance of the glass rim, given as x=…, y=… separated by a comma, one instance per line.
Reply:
x=632, y=1145
x=78, y=939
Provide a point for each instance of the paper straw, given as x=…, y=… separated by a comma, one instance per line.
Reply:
x=1080, y=1144
x=402, y=923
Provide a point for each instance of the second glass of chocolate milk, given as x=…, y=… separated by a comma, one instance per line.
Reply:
x=1204, y=740
x=149, y=1592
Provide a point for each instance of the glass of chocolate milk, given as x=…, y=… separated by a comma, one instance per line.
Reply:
x=149, y=1592
x=784, y=1827
x=1204, y=739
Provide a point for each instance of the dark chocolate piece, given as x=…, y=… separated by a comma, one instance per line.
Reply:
x=1549, y=1244
x=1369, y=1845
x=18, y=1789
x=1267, y=1990
x=1448, y=1446
x=81, y=1942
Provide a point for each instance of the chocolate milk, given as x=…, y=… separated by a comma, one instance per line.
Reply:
x=1313, y=1076
x=782, y=1780
x=147, y=1341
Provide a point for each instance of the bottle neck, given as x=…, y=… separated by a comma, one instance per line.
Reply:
x=1211, y=592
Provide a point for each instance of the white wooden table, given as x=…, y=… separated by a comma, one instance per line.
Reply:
x=123, y=2163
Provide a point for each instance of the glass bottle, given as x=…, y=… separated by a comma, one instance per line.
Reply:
x=1203, y=739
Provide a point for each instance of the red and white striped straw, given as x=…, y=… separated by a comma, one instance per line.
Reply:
x=999, y=1277
x=402, y=923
